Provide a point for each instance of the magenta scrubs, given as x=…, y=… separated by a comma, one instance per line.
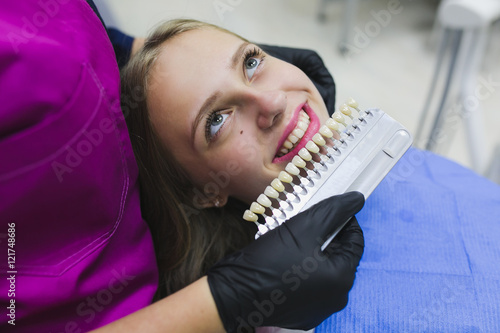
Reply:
x=75, y=252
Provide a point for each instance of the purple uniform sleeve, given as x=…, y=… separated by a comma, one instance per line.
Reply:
x=76, y=252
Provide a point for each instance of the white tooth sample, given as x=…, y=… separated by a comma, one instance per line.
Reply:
x=345, y=110
x=304, y=153
x=264, y=200
x=298, y=133
x=271, y=192
x=352, y=103
x=298, y=162
x=325, y=131
x=333, y=125
x=302, y=125
x=285, y=177
x=250, y=216
x=257, y=208
x=348, y=112
x=292, y=169
x=312, y=147
x=287, y=144
x=278, y=185
x=338, y=117
x=318, y=139
x=293, y=138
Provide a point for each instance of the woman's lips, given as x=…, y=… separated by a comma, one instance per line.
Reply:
x=296, y=135
x=309, y=133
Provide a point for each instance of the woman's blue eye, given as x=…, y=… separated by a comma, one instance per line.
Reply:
x=216, y=122
x=251, y=65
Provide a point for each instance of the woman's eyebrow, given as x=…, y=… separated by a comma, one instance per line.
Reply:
x=238, y=55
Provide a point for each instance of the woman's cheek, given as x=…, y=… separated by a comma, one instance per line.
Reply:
x=244, y=150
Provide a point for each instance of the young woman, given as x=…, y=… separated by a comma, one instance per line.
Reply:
x=209, y=114
x=213, y=119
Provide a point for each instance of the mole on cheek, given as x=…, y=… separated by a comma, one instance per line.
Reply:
x=241, y=132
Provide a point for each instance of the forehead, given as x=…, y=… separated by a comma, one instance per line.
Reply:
x=189, y=68
x=191, y=56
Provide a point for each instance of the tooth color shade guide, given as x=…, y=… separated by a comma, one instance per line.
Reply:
x=353, y=151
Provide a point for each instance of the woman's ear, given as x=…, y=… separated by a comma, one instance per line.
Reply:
x=201, y=200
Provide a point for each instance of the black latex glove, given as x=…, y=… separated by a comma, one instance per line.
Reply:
x=283, y=279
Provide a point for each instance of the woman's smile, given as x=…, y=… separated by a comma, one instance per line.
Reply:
x=301, y=128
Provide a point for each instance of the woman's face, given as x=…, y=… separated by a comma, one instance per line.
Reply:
x=229, y=113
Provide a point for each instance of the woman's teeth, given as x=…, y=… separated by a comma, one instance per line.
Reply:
x=297, y=134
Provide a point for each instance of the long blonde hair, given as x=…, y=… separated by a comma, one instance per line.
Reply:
x=187, y=240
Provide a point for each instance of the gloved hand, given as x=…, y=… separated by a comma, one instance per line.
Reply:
x=283, y=279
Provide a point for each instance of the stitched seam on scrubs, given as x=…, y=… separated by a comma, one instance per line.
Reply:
x=121, y=144
x=94, y=245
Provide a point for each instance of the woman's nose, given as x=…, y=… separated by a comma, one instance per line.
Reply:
x=270, y=106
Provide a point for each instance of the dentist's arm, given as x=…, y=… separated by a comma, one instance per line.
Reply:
x=282, y=279
x=191, y=309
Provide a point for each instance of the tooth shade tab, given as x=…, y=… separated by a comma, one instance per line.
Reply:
x=292, y=169
x=250, y=216
x=333, y=125
x=285, y=177
x=278, y=185
x=338, y=117
x=345, y=110
x=352, y=103
x=264, y=200
x=271, y=192
x=312, y=147
x=318, y=139
x=298, y=162
x=257, y=208
x=305, y=155
x=325, y=131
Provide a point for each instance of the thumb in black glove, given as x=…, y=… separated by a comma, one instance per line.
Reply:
x=283, y=278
